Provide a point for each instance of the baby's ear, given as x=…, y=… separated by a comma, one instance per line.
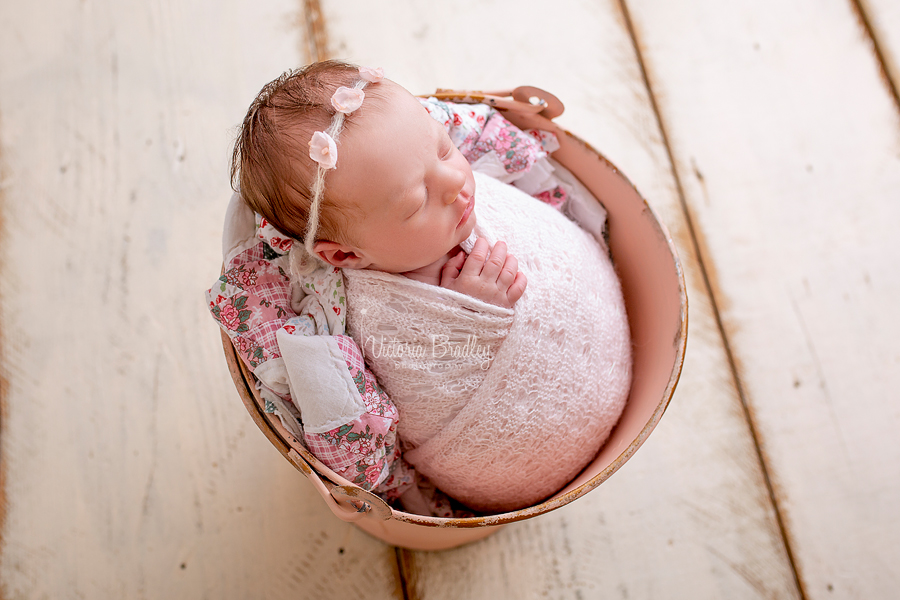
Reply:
x=338, y=255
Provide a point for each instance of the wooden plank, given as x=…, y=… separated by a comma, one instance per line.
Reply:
x=788, y=155
x=883, y=16
x=131, y=468
x=689, y=515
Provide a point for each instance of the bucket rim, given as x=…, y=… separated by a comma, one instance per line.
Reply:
x=326, y=479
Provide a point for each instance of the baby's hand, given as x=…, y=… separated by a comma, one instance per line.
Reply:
x=489, y=274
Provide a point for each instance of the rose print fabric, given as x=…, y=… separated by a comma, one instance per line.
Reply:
x=251, y=301
x=498, y=148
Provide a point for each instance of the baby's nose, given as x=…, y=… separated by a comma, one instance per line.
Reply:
x=456, y=180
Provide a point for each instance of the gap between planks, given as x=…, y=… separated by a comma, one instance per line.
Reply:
x=714, y=297
x=4, y=381
x=859, y=8
x=406, y=574
x=316, y=49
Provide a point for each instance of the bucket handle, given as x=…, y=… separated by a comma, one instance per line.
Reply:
x=348, y=502
x=525, y=100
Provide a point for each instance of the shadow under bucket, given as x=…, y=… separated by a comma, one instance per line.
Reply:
x=656, y=302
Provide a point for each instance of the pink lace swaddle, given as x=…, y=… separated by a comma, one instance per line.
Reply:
x=501, y=408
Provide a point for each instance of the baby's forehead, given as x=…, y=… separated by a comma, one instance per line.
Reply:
x=388, y=98
x=396, y=116
x=388, y=148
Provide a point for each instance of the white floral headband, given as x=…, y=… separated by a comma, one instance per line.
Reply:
x=323, y=147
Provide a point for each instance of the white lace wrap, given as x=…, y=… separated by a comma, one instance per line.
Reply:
x=502, y=408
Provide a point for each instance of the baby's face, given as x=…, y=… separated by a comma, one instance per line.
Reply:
x=414, y=188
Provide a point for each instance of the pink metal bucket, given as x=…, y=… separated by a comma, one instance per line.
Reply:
x=656, y=302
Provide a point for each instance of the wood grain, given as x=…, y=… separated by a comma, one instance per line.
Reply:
x=788, y=153
x=766, y=136
x=132, y=469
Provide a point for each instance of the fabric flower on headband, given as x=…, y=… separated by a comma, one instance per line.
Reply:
x=323, y=150
x=371, y=75
x=322, y=147
x=346, y=100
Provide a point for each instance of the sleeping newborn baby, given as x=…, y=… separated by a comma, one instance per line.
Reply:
x=495, y=323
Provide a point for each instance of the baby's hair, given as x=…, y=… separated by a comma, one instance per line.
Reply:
x=271, y=167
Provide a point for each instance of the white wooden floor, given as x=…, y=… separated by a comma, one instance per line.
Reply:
x=765, y=132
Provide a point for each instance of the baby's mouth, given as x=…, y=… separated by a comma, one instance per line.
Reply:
x=466, y=212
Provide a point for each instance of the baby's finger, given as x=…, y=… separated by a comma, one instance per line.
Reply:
x=495, y=262
x=508, y=272
x=516, y=290
x=450, y=270
x=476, y=259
